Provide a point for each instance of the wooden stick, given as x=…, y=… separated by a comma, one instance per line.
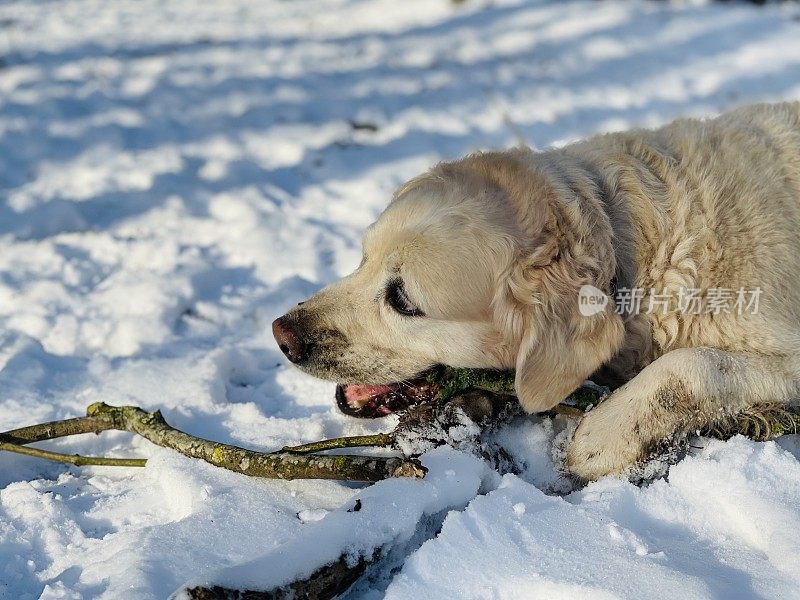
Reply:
x=153, y=427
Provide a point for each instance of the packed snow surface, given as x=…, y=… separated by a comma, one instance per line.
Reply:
x=175, y=175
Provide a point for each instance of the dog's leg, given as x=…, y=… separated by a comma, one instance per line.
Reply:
x=680, y=392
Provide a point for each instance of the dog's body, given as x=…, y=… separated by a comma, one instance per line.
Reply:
x=491, y=253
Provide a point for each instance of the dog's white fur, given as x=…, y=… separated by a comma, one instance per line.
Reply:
x=495, y=247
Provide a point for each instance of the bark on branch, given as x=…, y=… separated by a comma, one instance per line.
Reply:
x=153, y=427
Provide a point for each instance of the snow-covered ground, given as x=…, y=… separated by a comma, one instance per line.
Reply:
x=174, y=175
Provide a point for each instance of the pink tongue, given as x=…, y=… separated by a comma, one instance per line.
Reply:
x=360, y=394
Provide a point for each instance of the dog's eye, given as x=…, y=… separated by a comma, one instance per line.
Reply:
x=398, y=299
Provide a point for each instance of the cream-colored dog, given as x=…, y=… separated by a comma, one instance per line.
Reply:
x=485, y=262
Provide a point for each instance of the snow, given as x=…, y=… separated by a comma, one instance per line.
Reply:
x=361, y=526
x=174, y=176
x=723, y=527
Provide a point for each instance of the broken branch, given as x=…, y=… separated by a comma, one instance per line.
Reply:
x=325, y=583
x=153, y=427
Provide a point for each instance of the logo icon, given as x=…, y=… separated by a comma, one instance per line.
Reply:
x=591, y=300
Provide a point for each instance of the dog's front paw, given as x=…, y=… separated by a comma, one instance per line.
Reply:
x=604, y=446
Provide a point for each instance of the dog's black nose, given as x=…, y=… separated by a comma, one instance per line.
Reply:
x=290, y=339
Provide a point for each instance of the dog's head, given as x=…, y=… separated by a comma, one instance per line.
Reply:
x=477, y=263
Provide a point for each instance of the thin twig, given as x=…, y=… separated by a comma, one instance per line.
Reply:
x=73, y=459
x=353, y=441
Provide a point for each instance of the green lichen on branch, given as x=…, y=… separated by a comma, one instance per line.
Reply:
x=585, y=398
x=452, y=381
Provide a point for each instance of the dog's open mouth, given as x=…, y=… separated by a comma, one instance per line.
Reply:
x=440, y=383
x=372, y=401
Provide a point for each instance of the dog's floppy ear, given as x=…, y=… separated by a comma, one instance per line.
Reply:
x=559, y=352
x=562, y=342
x=565, y=254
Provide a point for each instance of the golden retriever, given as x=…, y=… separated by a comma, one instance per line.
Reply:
x=508, y=260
